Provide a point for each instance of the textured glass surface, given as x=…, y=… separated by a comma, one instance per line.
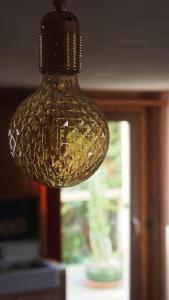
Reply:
x=57, y=136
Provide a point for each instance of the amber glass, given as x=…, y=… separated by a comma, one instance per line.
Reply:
x=57, y=136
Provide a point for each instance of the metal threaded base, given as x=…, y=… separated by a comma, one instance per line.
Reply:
x=60, y=5
x=60, y=44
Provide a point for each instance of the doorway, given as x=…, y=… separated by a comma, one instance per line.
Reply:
x=96, y=226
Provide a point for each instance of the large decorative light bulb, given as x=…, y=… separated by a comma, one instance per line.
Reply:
x=57, y=136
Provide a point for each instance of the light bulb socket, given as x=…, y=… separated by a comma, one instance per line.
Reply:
x=60, y=42
x=60, y=5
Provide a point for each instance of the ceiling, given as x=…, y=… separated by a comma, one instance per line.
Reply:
x=125, y=43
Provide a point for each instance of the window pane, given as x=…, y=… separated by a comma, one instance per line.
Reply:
x=96, y=226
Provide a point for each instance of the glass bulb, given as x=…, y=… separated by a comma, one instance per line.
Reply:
x=57, y=136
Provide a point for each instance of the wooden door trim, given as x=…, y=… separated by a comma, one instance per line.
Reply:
x=150, y=258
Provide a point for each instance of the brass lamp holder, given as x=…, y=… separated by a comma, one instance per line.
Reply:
x=60, y=41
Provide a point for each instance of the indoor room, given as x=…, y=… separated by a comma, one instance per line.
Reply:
x=84, y=150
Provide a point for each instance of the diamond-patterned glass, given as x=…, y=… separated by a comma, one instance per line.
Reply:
x=57, y=136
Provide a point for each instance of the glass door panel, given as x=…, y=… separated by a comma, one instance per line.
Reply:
x=96, y=226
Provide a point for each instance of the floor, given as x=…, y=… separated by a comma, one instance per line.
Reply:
x=77, y=288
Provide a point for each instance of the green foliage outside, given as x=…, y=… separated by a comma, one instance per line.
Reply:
x=89, y=227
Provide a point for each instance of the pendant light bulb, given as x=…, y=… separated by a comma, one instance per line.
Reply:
x=57, y=136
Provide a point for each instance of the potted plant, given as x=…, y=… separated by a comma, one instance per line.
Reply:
x=104, y=269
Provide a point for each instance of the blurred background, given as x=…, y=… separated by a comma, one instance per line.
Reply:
x=107, y=235
x=125, y=44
